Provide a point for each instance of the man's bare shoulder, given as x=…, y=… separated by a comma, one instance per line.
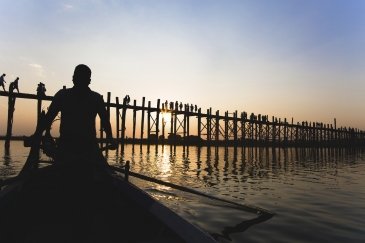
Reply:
x=63, y=91
x=96, y=96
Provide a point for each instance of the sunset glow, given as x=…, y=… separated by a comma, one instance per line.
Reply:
x=300, y=59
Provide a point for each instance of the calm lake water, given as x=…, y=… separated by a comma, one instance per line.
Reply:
x=317, y=195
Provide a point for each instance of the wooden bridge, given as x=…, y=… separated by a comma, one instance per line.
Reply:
x=210, y=128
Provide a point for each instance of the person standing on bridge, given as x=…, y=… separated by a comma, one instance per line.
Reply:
x=14, y=86
x=79, y=106
x=2, y=81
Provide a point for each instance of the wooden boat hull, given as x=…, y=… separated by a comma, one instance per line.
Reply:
x=60, y=204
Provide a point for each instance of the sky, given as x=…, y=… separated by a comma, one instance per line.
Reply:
x=286, y=58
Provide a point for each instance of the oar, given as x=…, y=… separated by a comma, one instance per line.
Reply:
x=248, y=208
x=35, y=142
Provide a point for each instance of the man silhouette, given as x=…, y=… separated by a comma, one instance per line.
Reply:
x=14, y=86
x=79, y=106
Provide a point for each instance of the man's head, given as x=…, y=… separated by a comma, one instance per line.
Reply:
x=4, y=75
x=82, y=76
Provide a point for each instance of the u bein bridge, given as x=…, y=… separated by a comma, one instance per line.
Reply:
x=212, y=128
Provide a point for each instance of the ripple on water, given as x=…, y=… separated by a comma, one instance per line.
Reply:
x=317, y=194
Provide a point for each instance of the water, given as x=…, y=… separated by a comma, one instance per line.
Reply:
x=318, y=195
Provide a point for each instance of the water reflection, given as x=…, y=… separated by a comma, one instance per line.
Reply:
x=7, y=156
x=216, y=165
x=253, y=175
x=317, y=189
x=7, y=169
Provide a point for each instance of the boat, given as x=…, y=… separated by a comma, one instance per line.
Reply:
x=86, y=204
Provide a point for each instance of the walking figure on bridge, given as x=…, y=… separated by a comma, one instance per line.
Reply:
x=14, y=86
x=2, y=81
x=41, y=89
x=127, y=99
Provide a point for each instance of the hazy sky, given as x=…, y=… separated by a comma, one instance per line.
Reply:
x=289, y=58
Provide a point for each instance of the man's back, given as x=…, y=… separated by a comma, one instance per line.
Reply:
x=79, y=107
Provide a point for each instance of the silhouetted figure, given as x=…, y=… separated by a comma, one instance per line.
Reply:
x=79, y=106
x=14, y=86
x=2, y=81
x=41, y=89
x=181, y=106
x=171, y=105
x=127, y=99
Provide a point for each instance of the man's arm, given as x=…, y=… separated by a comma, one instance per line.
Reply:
x=52, y=112
x=105, y=122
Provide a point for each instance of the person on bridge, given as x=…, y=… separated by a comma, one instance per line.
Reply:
x=14, y=86
x=79, y=106
x=2, y=81
x=41, y=89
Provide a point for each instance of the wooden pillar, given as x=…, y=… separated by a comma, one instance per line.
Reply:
x=259, y=124
x=226, y=132
x=243, y=128
x=124, y=111
x=134, y=120
x=172, y=123
x=285, y=127
x=251, y=128
x=157, y=120
x=217, y=126
x=108, y=104
x=188, y=123
x=184, y=122
x=175, y=123
x=149, y=121
x=117, y=116
x=11, y=108
x=142, y=119
x=291, y=129
x=273, y=138
x=101, y=127
x=39, y=108
x=208, y=126
x=335, y=129
x=163, y=129
x=199, y=123
x=267, y=132
x=321, y=137
x=297, y=132
x=279, y=130
x=235, y=127
x=256, y=128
